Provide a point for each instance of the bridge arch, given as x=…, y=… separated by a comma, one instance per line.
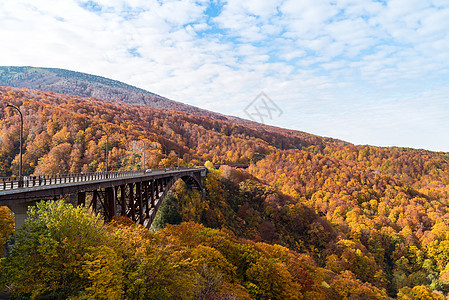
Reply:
x=140, y=201
x=191, y=181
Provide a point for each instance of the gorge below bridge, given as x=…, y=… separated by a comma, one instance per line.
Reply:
x=134, y=194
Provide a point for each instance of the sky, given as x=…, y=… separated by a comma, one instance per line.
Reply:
x=364, y=71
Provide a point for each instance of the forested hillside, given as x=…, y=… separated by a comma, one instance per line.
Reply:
x=59, y=126
x=311, y=218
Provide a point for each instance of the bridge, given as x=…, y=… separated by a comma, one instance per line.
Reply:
x=237, y=166
x=134, y=194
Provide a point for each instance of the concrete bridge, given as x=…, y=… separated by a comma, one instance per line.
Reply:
x=134, y=194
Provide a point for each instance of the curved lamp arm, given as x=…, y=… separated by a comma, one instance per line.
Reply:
x=21, y=134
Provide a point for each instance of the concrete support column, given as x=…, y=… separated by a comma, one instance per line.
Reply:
x=20, y=212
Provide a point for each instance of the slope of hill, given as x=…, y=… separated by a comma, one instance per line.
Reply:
x=193, y=136
x=370, y=215
x=86, y=85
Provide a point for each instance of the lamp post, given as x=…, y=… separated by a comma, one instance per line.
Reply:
x=106, y=148
x=165, y=155
x=144, y=155
x=21, y=134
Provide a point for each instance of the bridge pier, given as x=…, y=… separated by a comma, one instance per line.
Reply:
x=109, y=202
x=20, y=213
x=131, y=205
x=139, y=201
x=123, y=200
x=81, y=198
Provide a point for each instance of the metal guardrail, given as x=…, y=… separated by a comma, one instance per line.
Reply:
x=9, y=183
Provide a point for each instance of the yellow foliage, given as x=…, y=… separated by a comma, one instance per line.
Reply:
x=272, y=280
x=62, y=136
x=274, y=251
x=209, y=165
x=6, y=226
x=419, y=293
x=214, y=260
x=102, y=266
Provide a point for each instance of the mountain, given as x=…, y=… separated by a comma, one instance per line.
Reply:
x=86, y=85
x=166, y=130
x=356, y=220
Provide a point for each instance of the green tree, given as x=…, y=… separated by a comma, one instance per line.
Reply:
x=167, y=213
x=49, y=253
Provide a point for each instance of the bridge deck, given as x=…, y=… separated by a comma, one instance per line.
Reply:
x=32, y=188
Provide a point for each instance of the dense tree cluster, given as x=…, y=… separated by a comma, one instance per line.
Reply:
x=327, y=218
x=6, y=226
x=63, y=252
x=390, y=212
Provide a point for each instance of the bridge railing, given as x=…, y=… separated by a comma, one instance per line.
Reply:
x=8, y=183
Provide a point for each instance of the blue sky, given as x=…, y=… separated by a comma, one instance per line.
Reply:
x=368, y=72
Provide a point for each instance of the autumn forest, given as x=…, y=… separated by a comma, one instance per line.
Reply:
x=310, y=218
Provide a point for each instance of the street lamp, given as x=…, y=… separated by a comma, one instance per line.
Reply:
x=106, y=148
x=21, y=134
x=165, y=155
x=144, y=155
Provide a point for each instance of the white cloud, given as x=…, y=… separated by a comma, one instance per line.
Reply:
x=330, y=61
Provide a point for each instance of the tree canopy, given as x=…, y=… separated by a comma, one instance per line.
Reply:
x=328, y=218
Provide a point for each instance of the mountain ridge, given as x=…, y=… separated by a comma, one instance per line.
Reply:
x=81, y=84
